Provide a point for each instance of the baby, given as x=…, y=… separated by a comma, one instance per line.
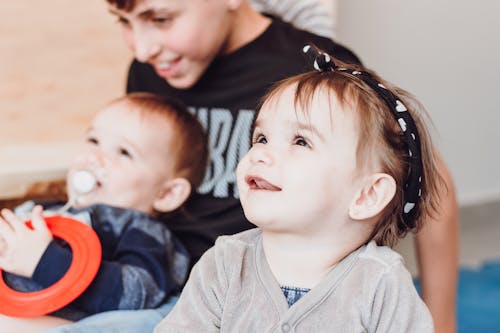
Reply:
x=145, y=154
x=340, y=168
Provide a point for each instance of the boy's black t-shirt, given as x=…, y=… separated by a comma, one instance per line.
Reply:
x=225, y=100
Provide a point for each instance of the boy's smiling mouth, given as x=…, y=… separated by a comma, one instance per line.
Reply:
x=257, y=183
x=168, y=68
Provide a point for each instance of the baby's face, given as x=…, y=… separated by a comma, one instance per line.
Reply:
x=129, y=154
x=301, y=169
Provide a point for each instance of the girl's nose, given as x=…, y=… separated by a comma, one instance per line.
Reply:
x=260, y=154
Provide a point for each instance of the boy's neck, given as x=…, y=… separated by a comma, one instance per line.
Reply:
x=301, y=261
x=247, y=26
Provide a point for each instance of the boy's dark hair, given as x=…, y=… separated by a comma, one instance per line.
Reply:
x=190, y=144
x=381, y=140
x=126, y=5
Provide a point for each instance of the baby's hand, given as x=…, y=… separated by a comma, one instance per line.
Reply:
x=3, y=246
x=23, y=247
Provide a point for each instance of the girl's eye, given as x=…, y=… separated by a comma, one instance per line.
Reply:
x=300, y=141
x=259, y=139
x=124, y=152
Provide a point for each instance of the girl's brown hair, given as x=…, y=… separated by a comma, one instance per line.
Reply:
x=381, y=142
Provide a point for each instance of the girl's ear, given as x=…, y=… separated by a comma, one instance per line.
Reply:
x=375, y=194
x=173, y=194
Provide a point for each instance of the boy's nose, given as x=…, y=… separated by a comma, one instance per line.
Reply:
x=145, y=48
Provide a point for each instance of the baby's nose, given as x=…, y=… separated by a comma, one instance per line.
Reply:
x=90, y=160
x=93, y=162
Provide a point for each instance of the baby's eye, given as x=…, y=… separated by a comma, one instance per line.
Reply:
x=260, y=138
x=124, y=152
x=92, y=140
x=300, y=141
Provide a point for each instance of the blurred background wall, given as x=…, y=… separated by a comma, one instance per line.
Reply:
x=60, y=61
x=447, y=53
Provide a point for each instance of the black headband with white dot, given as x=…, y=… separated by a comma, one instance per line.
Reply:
x=413, y=186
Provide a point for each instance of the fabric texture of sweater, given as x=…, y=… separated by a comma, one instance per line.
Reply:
x=232, y=289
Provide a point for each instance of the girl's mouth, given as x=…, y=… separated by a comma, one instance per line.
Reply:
x=257, y=183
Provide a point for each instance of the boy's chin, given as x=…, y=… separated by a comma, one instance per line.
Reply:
x=184, y=80
x=181, y=83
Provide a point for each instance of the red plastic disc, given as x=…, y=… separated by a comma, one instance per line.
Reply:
x=86, y=260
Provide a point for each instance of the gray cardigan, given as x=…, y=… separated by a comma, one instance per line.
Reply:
x=232, y=289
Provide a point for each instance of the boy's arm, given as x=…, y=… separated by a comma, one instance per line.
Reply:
x=396, y=306
x=200, y=305
x=309, y=15
x=437, y=249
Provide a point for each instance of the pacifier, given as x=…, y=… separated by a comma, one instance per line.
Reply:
x=83, y=182
x=80, y=182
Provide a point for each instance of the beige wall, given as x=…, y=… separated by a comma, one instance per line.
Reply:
x=61, y=60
